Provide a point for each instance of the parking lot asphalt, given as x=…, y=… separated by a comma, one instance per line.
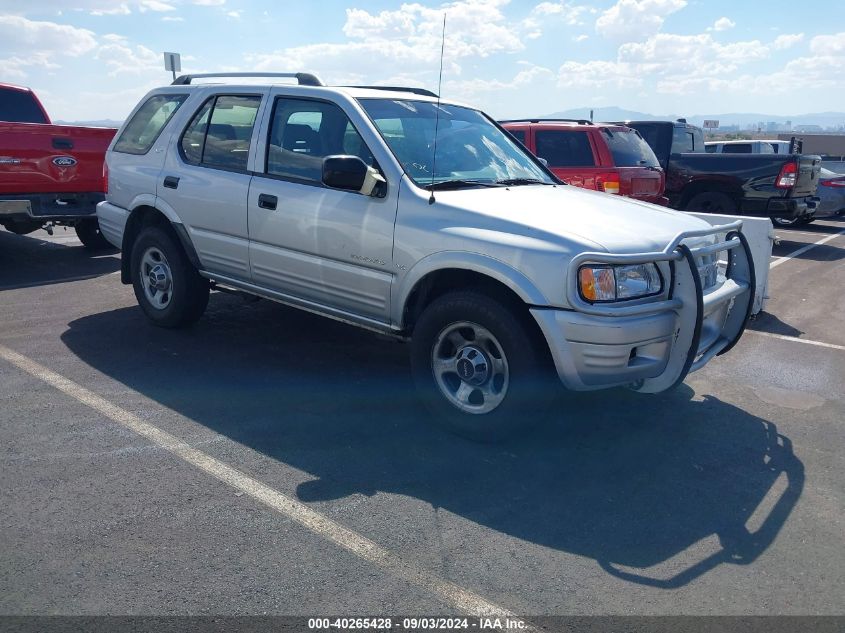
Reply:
x=267, y=461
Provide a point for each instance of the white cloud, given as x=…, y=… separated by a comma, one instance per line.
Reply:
x=581, y=38
x=123, y=59
x=598, y=75
x=785, y=41
x=699, y=52
x=210, y=3
x=405, y=41
x=636, y=19
x=828, y=44
x=154, y=5
x=120, y=9
x=43, y=43
x=234, y=14
x=564, y=12
x=723, y=24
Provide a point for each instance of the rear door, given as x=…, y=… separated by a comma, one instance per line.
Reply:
x=570, y=154
x=206, y=179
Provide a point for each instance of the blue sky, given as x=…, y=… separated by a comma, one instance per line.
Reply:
x=93, y=59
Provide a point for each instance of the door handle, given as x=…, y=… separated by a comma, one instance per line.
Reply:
x=266, y=201
x=62, y=143
x=171, y=182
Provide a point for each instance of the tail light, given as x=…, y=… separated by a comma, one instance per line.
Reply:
x=105, y=177
x=609, y=183
x=833, y=182
x=788, y=176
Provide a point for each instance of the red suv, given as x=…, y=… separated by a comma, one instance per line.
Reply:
x=602, y=156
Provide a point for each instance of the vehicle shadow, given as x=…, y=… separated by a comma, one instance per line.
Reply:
x=27, y=261
x=768, y=322
x=635, y=482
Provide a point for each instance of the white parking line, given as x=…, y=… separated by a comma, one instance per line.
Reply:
x=795, y=339
x=464, y=600
x=804, y=249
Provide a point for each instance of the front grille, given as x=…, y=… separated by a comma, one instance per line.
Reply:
x=709, y=270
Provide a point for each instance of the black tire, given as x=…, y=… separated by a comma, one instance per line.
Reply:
x=531, y=382
x=188, y=291
x=88, y=232
x=712, y=202
x=786, y=223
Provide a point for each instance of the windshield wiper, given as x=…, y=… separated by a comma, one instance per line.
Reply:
x=523, y=181
x=459, y=183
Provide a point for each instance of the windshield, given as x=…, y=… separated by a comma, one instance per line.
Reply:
x=629, y=149
x=470, y=149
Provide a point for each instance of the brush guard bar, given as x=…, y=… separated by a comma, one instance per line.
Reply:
x=724, y=310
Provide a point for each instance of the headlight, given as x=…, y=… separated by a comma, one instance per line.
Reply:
x=618, y=283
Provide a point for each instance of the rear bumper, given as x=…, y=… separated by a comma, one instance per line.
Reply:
x=112, y=220
x=48, y=206
x=653, y=346
x=788, y=208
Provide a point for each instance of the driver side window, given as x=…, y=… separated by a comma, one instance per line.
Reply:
x=303, y=132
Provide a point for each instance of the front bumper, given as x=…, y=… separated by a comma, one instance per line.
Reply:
x=652, y=346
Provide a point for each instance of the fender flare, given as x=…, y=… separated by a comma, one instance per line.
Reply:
x=524, y=288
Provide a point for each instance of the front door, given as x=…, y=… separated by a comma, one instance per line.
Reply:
x=323, y=246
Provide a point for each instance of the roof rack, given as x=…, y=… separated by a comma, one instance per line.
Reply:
x=304, y=79
x=416, y=91
x=579, y=121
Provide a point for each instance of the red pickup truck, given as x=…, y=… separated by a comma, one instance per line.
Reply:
x=602, y=156
x=49, y=174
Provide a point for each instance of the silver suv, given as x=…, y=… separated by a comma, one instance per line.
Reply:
x=392, y=210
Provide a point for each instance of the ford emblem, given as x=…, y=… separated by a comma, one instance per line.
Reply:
x=64, y=161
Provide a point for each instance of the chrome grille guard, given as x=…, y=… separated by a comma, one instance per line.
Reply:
x=685, y=297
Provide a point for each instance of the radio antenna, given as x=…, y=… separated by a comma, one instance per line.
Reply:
x=437, y=112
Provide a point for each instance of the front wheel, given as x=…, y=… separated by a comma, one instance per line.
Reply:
x=479, y=368
x=169, y=289
x=88, y=232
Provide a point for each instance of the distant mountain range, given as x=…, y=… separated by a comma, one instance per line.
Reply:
x=742, y=119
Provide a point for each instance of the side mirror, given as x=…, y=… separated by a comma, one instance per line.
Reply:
x=543, y=161
x=344, y=172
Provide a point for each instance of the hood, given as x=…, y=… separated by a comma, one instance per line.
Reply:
x=599, y=221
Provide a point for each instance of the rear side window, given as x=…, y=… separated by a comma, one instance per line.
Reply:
x=564, y=149
x=144, y=128
x=519, y=135
x=711, y=149
x=20, y=106
x=629, y=149
x=219, y=135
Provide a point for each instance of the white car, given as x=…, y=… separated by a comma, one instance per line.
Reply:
x=747, y=147
x=338, y=200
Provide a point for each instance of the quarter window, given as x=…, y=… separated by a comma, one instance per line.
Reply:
x=145, y=126
x=303, y=132
x=564, y=149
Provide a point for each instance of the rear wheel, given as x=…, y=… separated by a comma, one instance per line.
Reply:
x=712, y=202
x=479, y=369
x=788, y=222
x=88, y=232
x=169, y=289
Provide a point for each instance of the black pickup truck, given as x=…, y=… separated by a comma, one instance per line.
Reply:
x=780, y=187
